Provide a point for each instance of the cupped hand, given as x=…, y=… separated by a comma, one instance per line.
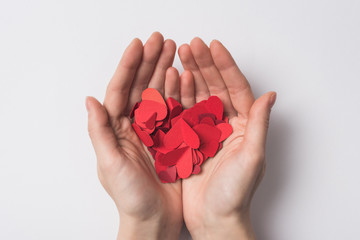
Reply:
x=148, y=209
x=216, y=202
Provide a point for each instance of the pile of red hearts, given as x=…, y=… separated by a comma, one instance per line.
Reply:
x=179, y=140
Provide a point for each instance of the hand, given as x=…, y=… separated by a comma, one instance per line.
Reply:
x=148, y=209
x=216, y=202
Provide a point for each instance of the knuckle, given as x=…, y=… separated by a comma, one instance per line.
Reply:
x=267, y=122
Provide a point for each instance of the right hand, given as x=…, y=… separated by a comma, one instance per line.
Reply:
x=216, y=202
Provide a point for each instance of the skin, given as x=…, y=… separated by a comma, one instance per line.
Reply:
x=147, y=208
x=215, y=203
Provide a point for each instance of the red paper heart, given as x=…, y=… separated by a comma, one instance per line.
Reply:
x=133, y=109
x=209, y=139
x=144, y=136
x=184, y=166
x=168, y=175
x=194, y=157
x=196, y=169
x=175, y=107
x=174, y=137
x=188, y=134
x=209, y=148
x=215, y=106
x=200, y=157
x=147, y=109
x=208, y=121
x=171, y=158
x=226, y=130
x=159, y=142
x=179, y=140
x=207, y=132
x=152, y=95
x=150, y=123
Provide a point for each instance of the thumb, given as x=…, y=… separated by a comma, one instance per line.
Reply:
x=258, y=123
x=101, y=134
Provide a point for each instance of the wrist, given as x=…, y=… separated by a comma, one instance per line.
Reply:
x=229, y=227
x=157, y=228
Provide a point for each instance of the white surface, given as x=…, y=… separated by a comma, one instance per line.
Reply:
x=54, y=53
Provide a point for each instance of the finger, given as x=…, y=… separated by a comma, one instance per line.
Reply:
x=172, y=84
x=237, y=85
x=165, y=61
x=152, y=50
x=117, y=92
x=188, y=62
x=257, y=125
x=187, y=89
x=101, y=134
x=212, y=77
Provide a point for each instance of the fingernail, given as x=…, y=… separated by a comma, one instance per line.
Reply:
x=272, y=99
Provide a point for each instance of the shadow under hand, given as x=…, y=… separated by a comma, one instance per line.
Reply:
x=278, y=173
x=184, y=234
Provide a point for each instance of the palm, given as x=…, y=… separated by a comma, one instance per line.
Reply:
x=223, y=185
x=137, y=173
x=125, y=168
x=227, y=181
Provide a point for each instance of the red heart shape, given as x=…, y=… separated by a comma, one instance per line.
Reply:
x=153, y=95
x=226, y=130
x=179, y=140
x=168, y=175
x=144, y=136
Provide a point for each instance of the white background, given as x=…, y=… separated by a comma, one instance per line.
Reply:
x=54, y=53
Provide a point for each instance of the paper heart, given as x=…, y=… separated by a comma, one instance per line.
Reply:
x=168, y=175
x=152, y=94
x=179, y=140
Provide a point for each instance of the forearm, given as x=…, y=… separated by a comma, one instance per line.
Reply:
x=225, y=228
x=150, y=229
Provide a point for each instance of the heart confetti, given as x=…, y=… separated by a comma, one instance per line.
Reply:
x=179, y=140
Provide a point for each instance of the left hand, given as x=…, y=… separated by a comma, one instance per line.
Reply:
x=148, y=209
